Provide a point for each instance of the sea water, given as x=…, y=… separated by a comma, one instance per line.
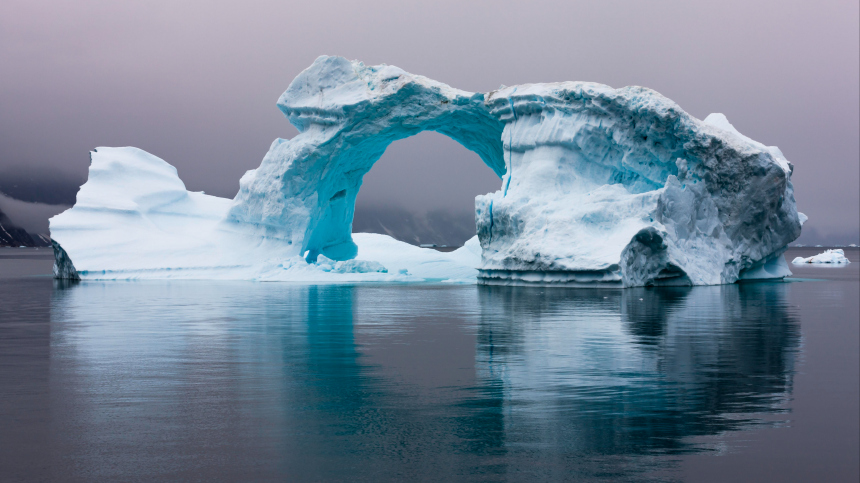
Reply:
x=243, y=381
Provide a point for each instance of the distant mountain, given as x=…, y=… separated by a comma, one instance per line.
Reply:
x=439, y=226
x=39, y=186
x=12, y=235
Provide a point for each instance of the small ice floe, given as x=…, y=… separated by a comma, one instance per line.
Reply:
x=835, y=257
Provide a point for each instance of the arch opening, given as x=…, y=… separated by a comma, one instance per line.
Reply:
x=422, y=191
x=332, y=235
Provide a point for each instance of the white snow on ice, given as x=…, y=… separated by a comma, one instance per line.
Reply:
x=135, y=216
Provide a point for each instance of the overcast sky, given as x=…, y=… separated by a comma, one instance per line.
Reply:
x=195, y=82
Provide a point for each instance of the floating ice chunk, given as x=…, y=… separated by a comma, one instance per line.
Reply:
x=421, y=263
x=360, y=266
x=835, y=257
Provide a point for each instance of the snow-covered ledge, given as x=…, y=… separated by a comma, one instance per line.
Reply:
x=599, y=185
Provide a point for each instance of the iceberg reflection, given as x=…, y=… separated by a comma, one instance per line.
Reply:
x=636, y=371
x=256, y=380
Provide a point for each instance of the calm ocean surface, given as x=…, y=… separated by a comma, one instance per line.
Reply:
x=242, y=381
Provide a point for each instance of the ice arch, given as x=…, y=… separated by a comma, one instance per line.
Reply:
x=347, y=114
x=599, y=185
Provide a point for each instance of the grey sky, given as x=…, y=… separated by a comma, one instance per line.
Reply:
x=196, y=83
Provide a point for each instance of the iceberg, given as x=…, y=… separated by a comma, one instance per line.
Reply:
x=598, y=186
x=834, y=257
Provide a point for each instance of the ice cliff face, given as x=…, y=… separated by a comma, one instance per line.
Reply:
x=622, y=185
x=598, y=186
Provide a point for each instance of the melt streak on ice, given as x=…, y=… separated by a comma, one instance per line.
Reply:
x=598, y=185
